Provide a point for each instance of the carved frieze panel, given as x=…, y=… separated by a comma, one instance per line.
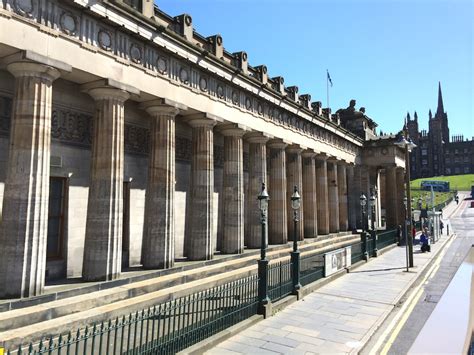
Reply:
x=183, y=148
x=5, y=111
x=71, y=127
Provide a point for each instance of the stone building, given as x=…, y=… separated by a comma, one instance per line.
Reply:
x=436, y=154
x=128, y=139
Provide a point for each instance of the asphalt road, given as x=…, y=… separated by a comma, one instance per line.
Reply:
x=462, y=223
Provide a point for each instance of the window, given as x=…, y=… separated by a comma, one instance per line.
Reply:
x=466, y=169
x=424, y=162
x=435, y=157
x=456, y=151
x=466, y=159
x=448, y=171
x=424, y=152
x=457, y=170
x=465, y=150
x=57, y=199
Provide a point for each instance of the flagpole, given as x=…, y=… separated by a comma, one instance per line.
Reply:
x=327, y=91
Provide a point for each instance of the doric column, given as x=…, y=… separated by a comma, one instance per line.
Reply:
x=24, y=224
x=333, y=196
x=400, y=188
x=294, y=177
x=103, y=242
x=309, y=195
x=391, y=209
x=159, y=224
x=342, y=192
x=257, y=175
x=277, y=220
x=201, y=209
x=233, y=190
x=352, y=199
x=322, y=193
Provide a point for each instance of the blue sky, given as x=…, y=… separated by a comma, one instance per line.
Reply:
x=388, y=55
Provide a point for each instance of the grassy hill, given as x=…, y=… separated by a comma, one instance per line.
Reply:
x=456, y=182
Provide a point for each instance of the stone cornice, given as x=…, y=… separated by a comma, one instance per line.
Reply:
x=162, y=53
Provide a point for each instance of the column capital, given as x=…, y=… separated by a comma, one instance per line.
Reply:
x=258, y=137
x=202, y=119
x=105, y=93
x=308, y=153
x=109, y=89
x=20, y=69
x=162, y=107
x=277, y=143
x=232, y=129
x=294, y=149
x=321, y=156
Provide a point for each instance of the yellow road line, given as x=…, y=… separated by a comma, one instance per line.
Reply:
x=401, y=317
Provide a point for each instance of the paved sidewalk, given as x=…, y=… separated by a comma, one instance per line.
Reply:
x=339, y=317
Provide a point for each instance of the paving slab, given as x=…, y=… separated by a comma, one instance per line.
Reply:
x=340, y=316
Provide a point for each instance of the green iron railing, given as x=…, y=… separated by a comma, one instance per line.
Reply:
x=311, y=268
x=357, y=252
x=162, y=329
x=175, y=325
x=279, y=280
x=386, y=238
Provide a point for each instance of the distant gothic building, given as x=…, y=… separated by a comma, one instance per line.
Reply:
x=436, y=154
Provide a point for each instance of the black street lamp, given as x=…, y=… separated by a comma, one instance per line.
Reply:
x=295, y=254
x=363, y=202
x=263, y=298
x=407, y=252
x=372, y=210
x=407, y=144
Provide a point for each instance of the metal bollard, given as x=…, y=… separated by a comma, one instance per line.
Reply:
x=447, y=229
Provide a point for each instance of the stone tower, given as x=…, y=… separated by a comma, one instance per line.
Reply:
x=438, y=136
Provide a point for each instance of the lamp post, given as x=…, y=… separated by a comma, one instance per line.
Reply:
x=263, y=299
x=407, y=145
x=372, y=210
x=295, y=254
x=405, y=203
x=363, y=202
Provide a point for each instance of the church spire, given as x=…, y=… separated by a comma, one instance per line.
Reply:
x=416, y=117
x=440, y=109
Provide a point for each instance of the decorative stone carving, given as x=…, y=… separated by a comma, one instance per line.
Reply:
x=162, y=65
x=5, y=114
x=203, y=83
x=184, y=75
x=248, y=103
x=218, y=155
x=235, y=97
x=25, y=7
x=136, y=139
x=68, y=23
x=104, y=38
x=135, y=54
x=220, y=91
x=71, y=127
x=260, y=109
x=183, y=148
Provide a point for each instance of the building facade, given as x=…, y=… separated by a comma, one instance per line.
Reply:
x=128, y=139
x=436, y=154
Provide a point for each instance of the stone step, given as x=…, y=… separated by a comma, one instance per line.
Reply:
x=30, y=323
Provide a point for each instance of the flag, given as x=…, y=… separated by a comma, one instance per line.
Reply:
x=329, y=77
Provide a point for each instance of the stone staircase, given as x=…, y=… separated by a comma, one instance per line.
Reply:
x=23, y=321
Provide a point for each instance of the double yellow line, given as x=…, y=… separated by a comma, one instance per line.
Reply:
x=401, y=317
